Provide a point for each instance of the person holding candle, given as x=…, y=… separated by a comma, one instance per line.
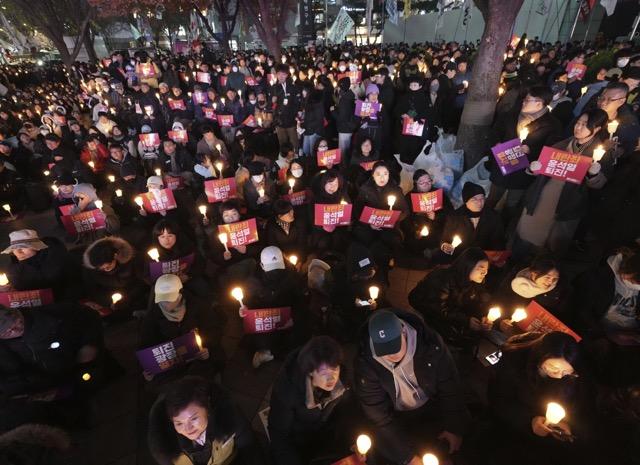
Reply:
x=63, y=194
x=613, y=100
x=211, y=142
x=109, y=266
x=259, y=192
x=475, y=223
x=554, y=208
x=94, y=151
x=355, y=297
x=312, y=412
x=328, y=188
x=454, y=300
x=408, y=387
x=48, y=347
x=541, y=128
x=286, y=231
x=536, y=369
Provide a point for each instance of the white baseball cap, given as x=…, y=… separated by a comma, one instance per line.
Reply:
x=167, y=288
x=271, y=259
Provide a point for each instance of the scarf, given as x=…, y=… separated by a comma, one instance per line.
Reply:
x=525, y=119
x=575, y=147
x=176, y=314
x=284, y=225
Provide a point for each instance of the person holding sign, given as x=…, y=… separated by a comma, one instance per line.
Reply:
x=175, y=160
x=408, y=387
x=211, y=144
x=329, y=188
x=39, y=264
x=180, y=107
x=553, y=207
x=312, y=412
x=454, y=300
x=534, y=370
x=412, y=107
x=363, y=157
x=195, y=422
x=372, y=122
x=378, y=193
x=474, y=223
x=288, y=232
x=48, y=347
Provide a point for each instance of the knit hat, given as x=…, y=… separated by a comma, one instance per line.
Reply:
x=372, y=89
x=385, y=331
x=65, y=179
x=255, y=168
x=24, y=239
x=470, y=190
x=167, y=288
x=8, y=318
x=271, y=259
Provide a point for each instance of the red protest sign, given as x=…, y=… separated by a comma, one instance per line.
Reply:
x=298, y=198
x=267, y=320
x=173, y=182
x=66, y=209
x=240, y=233
x=225, y=121
x=367, y=165
x=576, y=70
x=151, y=139
x=203, y=77
x=282, y=174
x=209, y=113
x=427, y=201
x=157, y=201
x=354, y=76
x=250, y=121
x=219, y=190
x=562, y=165
x=21, y=299
x=223, y=81
x=92, y=220
x=379, y=218
x=412, y=128
x=539, y=319
x=251, y=81
x=179, y=137
x=200, y=98
x=176, y=104
x=147, y=70
x=329, y=157
x=336, y=214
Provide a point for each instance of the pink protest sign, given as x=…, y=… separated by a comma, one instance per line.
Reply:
x=159, y=201
x=562, y=165
x=539, y=319
x=219, y=190
x=240, y=233
x=225, y=121
x=267, y=320
x=21, y=299
x=329, y=157
x=367, y=109
x=337, y=214
x=412, y=128
x=176, y=104
x=379, y=218
x=93, y=220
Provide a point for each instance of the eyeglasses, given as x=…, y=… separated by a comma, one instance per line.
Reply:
x=528, y=100
x=602, y=98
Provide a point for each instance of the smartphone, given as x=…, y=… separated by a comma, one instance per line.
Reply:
x=494, y=357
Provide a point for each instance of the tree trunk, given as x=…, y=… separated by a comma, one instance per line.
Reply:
x=479, y=109
x=88, y=44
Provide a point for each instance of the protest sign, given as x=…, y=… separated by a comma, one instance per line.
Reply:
x=219, y=190
x=510, y=157
x=160, y=201
x=266, y=320
x=240, y=233
x=539, y=319
x=337, y=214
x=22, y=299
x=427, y=201
x=379, y=218
x=329, y=157
x=168, y=355
x=565, y=166
x=180, y=265
x=92, y=220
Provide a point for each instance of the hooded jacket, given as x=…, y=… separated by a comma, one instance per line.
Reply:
x=343, y=112
x=225, y=421
x=292, y=423
x=435, y=372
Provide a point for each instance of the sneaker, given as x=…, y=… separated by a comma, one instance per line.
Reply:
x=260, y=357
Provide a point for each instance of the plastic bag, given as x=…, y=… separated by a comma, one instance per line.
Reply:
x=444, y=147
x=478, y=175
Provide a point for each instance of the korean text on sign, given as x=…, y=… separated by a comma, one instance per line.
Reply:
x=379, y=218
x=510, y=157
x=219, y=190
x=240, y=233
x=427, y=201
x=332, y=214
x=565, y=166
x=267, y=320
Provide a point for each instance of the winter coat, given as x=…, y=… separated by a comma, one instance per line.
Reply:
x=435, y=372
x=314, y=114
x=295, y=242
x=170, y=448
x=488, y=235
x=183, y=160
x=30, y=363
x=292, y=424
x=343, y=112
x=371, y=195
x=99, y=158
x=285, y=115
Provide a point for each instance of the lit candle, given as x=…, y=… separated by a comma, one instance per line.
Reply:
x=519, y=314
x=374, y=292
x=363, y=444
x=139, y=202
x=158, y=172
x=584, y=90
x=198, y=340
x=219, y=167
x=47, y=172
x=118, y=192
x=501, y=91
x=261, y=192
x=240, y=93
x=222, y=100
x=55, y=189
x=456, y=241
x=116, y=297
x=430, y=459
x=3, y=279
x=343, y=202
x=222, y=237
x=494, y=314
x=259, y=121
x=154, y=254
x=391, y=200
x=7, y=208
x=86, y=377
x=293, y=259
x=292, y=182
x=424, y=232
x=237, y=294
x=524, y=132
x=598, y=153
x=465, y=84
x=555, y=413
x=219, y=148
x=98, y=204
x=203, y=210
x=612, y=127
x=111, y=178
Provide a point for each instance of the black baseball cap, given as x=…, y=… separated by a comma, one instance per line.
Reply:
x=385, y=331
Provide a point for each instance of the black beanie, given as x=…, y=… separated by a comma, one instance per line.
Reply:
x=471, y=190
x=344, y=84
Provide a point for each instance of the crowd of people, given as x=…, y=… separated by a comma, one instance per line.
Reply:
x=280, y=191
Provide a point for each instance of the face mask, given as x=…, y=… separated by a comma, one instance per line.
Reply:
x=622, y=62
x=296, y=173
x=257, y=179
x=435, y=86
x=234, y=69
x=252, y=102
x=342, y=68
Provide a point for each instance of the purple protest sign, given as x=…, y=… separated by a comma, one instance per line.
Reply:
x=367, y=109
x=510, y=157
x=182, y=264
x=165, y=356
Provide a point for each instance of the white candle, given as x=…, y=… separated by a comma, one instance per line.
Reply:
x=363, y=444
x=259, y=121
x=222, y=237
x=47, y=172
x=519, y=314
x=55, y=189
x=293, y=259
x=118, y=192
x=391, y=200
x=154, y=254
x=430, y=459
x=424, y=232
x=374, y=292
x=116, y=297
x=92, y=165
x=7, y=208
x=237, y=294
x=219, y=167
x=203, y=210
x=612, y=127
x=598, y=153
x=98, y=204
x=3, y=279
x=524, y=132
x=584, y=90
x=138, y=201
x=456, y=241
x=198, y=340
x=158, y=172
x=494, y=314
x=111, y=178
x=555, y=413
x=261, y=192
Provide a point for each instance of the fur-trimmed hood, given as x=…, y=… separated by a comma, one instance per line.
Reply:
x=124, y=250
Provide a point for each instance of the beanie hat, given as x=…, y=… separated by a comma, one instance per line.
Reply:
x=372, y=89
x=471, y=190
